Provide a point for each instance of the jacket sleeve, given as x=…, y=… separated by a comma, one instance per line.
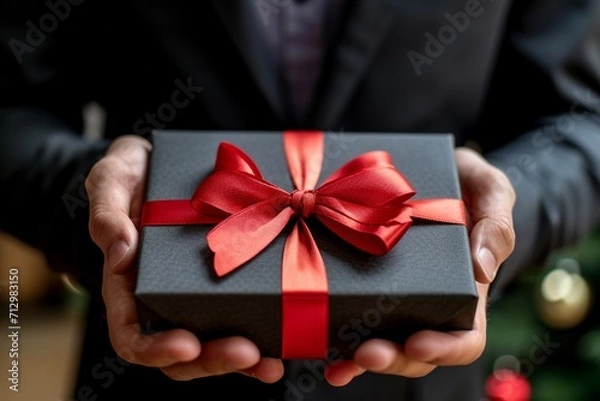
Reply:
x=546, y=90
x=43, y=154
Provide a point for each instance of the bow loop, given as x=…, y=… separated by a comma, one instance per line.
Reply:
x=367, y=195
x=232, y=158
x=234, y=184
x=374, y=238
x=372, y=159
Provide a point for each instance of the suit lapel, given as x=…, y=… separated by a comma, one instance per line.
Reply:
x=363, y=29
x=238, y=17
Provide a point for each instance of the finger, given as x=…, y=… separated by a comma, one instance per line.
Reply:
x=161, y=349
x=452, y=348
x=218, y=357
x=490, y=198
x=267, y=370
x=113, y=186
x=342, y=373
x=386, y=357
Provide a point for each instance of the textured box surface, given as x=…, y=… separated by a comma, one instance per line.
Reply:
x=426, y=281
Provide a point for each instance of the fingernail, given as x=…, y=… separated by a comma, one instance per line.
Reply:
x=487, y=263
x=117, y=252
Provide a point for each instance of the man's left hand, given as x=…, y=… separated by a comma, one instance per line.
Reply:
x=490, y=198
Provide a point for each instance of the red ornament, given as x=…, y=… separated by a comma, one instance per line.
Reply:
x=507, y=385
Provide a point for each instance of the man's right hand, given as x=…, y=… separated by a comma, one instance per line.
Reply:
x=115, y=188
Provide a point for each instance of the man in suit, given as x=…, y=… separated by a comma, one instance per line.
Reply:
x=520, y=79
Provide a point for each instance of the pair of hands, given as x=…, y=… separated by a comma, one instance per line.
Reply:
x=116, y=187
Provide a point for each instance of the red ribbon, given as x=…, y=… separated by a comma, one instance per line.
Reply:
x=365, y=202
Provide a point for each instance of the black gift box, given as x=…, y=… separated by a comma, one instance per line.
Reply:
x=425, y=282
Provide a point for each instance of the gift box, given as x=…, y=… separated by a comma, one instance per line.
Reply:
x=307, y=243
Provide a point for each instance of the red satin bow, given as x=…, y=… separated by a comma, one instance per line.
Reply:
x=365, y=202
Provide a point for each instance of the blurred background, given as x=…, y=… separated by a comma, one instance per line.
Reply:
x=546, y=329
x=50, y=316
x=548, y=326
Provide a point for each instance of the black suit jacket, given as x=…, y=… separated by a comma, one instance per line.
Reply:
x=520, y=79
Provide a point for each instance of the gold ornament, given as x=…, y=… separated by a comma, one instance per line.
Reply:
x=564, y=299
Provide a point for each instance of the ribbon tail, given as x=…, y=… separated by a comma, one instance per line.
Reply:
x=444, y=210
x=243, y=235
x=305, y=299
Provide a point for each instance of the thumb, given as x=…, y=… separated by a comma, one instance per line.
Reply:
x=490, y=197
x=115, y=188
x=492, y=241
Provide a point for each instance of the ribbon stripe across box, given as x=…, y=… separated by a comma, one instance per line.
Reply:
x=306, y=243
